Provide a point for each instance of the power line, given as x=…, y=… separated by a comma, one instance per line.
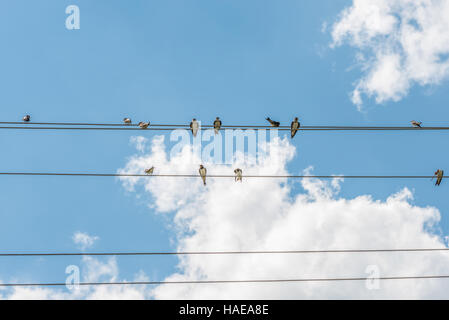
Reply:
x=211, y=126
x=39, y=254
x=89, y=128
x=186, y=125
x=215, y=176
x=243, y=128
x=70, y=124
x=136, y=125
x=117, y=127
x=222, y=281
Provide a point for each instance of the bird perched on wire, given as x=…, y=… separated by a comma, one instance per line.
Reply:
x=238, y=175
x=217, y=125
x=149, y=171
x=439, y=175
x=127, y=120
x=144, y=125
x=203, y=173
x=194, y=126
x=416, y=124
x=295, y=126
x=27, y=118
x=273, y=123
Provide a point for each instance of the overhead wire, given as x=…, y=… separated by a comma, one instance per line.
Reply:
x=154, y=253
x=153, y=128
x=126, y=127
x=186, y=282
x=215, y=176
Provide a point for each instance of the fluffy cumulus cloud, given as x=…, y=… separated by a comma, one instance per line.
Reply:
x=271, y=214
x=139, y=142
x=400, y=43
x=266, y=214
x=84, y=240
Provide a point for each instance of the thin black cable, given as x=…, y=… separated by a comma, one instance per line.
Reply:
x=211, y=126
x=212, y=176
x=221, y=281
x=136, y=125
x=166, y=128
x=39, y=254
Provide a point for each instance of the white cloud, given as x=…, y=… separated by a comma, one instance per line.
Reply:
x=92, y=270
x=407, y=42
x=83, y=240
x=263, y=215
x=139, y=142
x=267, y=215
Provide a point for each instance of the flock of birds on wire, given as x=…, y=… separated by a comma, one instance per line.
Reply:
x=294, y=127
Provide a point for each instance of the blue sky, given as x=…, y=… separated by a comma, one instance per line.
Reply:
x=166, y=62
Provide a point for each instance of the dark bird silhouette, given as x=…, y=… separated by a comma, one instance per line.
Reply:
x=149, y=171
x=217, y=125
x=203, y=173
x=295, y=126
x=194, y=126
x=439, y=174
x=144, y=125
x=238, y=175
x=416, y=124
x=273, y=123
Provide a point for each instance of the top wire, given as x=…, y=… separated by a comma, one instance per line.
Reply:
x=123, y=126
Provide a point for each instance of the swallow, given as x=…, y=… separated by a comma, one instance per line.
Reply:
x=217, y=125
x=127, y=120
x=238, y=175
x=27, y=118
x=194, y=125
x=273, y=123
x=149, y=171
x=203, y=173
x=144, y=125
x=439, y=175
x=295, y=126
x=416, y=124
